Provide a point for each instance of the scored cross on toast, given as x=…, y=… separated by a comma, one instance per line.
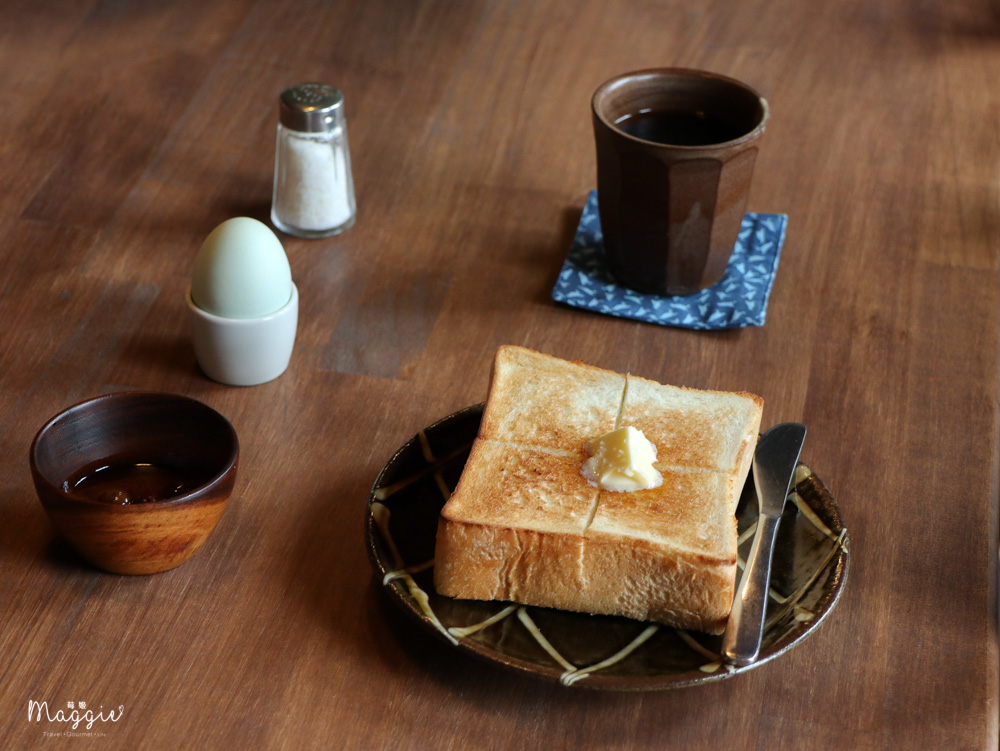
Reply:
x=525, y=525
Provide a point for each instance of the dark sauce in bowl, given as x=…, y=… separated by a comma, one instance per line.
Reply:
x=131, y=483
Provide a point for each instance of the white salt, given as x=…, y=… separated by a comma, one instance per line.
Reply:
x=313, y=188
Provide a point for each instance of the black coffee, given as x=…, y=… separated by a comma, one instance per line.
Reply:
x=678, y=128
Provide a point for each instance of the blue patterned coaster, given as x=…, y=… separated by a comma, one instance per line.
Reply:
x=738, y=299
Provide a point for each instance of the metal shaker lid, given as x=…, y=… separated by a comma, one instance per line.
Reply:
x=311, y=107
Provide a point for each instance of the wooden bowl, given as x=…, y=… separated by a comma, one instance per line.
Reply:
x=135, y=481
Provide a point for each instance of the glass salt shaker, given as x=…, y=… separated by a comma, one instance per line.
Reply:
x=313, y=187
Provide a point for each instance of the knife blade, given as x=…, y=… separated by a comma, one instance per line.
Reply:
x=774, y=464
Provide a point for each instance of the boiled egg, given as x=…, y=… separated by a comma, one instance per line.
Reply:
x=241, y=271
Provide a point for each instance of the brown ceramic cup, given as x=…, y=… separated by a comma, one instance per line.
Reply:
x=675, y=154
x=114, y=434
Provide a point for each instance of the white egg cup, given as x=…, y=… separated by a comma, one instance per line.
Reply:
x=244, y=351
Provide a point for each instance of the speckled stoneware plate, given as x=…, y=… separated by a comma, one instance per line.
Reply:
x=601, y=652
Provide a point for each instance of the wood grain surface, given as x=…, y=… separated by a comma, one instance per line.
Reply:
x=131, y=129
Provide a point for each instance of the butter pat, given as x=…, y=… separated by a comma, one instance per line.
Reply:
x=621, y=461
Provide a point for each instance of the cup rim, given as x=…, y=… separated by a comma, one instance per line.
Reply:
x=293, y=301
x=190, y=496
x=688, y=72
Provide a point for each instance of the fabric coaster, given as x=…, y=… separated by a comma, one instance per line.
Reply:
x=738, y=299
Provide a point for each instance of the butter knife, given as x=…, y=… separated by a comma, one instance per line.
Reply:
x=773, y=466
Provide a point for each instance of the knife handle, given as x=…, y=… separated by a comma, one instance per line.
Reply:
x=741, y=642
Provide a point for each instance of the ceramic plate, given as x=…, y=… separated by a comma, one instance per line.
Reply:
x=600, y=652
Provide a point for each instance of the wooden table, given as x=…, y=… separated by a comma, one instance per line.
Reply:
x=131, y=129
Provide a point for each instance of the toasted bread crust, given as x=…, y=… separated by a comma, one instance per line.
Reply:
x=523, y=525
x=595, y=574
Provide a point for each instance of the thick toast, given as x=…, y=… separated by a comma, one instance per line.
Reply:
x=524, y=525
x=536, y=400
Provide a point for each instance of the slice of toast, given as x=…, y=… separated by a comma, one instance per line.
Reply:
x=692, y=428
x=515, y=487
x=516, y=530
x=536, y=400
x=667, y=554
x=524, y=525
